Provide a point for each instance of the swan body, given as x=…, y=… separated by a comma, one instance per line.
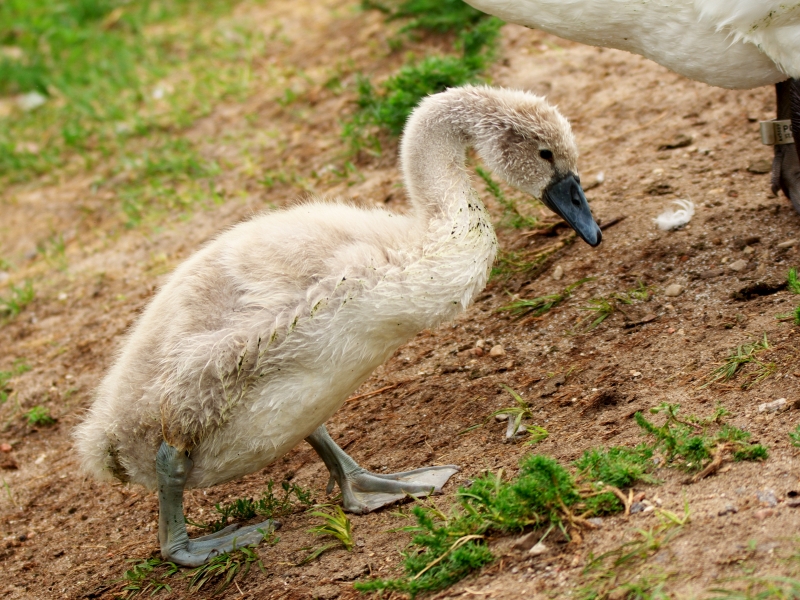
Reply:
x=737, y=44
x=256, y=340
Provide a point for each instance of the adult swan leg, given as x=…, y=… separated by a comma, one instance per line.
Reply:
x=172, y=469
x=363, y=491
x=785, y=165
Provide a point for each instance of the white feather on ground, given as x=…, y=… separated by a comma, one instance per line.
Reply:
x=673, y=218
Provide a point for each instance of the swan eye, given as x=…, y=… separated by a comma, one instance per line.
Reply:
x=547, y=155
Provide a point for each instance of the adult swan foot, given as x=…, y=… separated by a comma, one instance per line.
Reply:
x=785, y=165
x=172, y=469
x=362, y=491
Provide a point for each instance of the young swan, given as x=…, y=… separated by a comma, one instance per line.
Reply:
x=256, y=340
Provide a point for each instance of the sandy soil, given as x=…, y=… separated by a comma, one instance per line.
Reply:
x=66, y=536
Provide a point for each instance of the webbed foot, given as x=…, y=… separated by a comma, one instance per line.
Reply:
x=173, y=468
x=363, y=491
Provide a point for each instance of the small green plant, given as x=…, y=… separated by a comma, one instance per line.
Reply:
x=515, y=415
x=794, y=287
x=20, y=297
x=758, y=588
x=39, y=416
x=149, y=575
x=794, y=436
x=511, y=214
x=694, y=444
x=605, y=306
x=335, y=524
x=445, y=548
x=269, y=506
x=616, y=467
x=624, y=573
x=745, y=354
x=224, y=568
x=536, y=307
x=389, y=106
x=19, y=367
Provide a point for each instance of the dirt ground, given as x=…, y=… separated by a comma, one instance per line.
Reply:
x=67, y=536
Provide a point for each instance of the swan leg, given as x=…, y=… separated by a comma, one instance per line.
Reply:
x=785, y=164
x=172, y=469
x=362, y=491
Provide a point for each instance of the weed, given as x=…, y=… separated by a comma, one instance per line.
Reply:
x=605, y=306
x=794, y=436
x=269, y=506
x=445, y=548
x=20, y=297
x=688, y=444
x=621, y=572
x=794, y=287
x=224, y=569
x=515, y=415
x=761, y=588
x=536, y=307
x=511, y=214
x=746, y=354
x=148, y=576
x=335, y=524
x=39, y=416
x=389, y=106
x=19, y=367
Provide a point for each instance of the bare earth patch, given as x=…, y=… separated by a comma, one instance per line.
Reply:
x=66, y=536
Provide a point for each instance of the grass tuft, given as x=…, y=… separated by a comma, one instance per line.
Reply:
x=445, y=548
x=536, y=307
x=745, y=354
x=268, y=505
x=150, y=575
x=605, y=306
x=20, y=297
x=223, y=569
x=19, y=367
x=39, y=416
x=794, y=288
x=389, y=105
x=694, y=444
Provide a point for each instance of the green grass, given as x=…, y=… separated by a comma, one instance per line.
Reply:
x=335, y=524
x=605, y=306
x=516, y=414
x=39, y=416
x=624, y=572
x=19, y=367
x=794, y=288
x=269, y=505
x=743, y=355
x=121, y=81
x=794, y=437
x=536, y=307
x=19, y=297
x=149, y=575
x=224, y=569
x=447, y=547
x=691, y=443
x=388, y=105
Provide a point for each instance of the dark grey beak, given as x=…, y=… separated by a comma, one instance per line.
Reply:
x=565, y=197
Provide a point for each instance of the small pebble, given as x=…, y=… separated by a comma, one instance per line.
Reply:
x=558, y=273
x=767, y=497
x=774, y=406
x=637, y=507
x=748, y=250
x=639, y=497
x=501, y=418
x=597, y=521
x=477, y=351
x=788, y=243
x=497, y=351
x=480, y=343
x=763, y=513
x=5, y=448
x=729, y=509
x=738, y=266
x=538, y=549
x=673, y=290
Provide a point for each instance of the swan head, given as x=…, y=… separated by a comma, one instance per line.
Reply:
x=530, y=144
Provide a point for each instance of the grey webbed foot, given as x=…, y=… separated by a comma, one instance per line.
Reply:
x=363, y=491
x=173, y=468
x=785, y=164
